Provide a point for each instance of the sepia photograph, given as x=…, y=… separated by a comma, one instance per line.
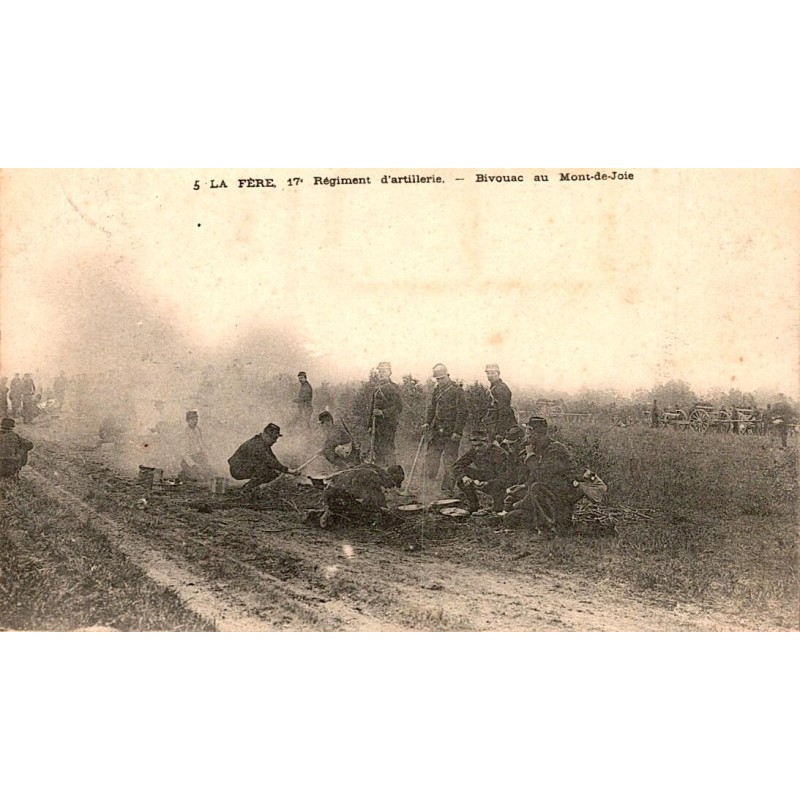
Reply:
x=394, y=400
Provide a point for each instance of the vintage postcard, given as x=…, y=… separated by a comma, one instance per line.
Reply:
x=480, y=399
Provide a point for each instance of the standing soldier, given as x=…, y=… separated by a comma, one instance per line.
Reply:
x=60, y=389
x=4, y=396
x=500, y=416
x=15, y=394
x=304, y=399
x=444, y=426
x=28, y=389
x=385, y=409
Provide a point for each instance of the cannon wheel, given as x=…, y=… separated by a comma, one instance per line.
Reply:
x=699, y=420
x=724, y=422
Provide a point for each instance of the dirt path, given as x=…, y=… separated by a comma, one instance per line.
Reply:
x=245, y=569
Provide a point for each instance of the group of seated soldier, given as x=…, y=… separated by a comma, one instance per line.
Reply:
x=533, y=479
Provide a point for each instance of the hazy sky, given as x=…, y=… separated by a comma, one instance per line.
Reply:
x=683, y=274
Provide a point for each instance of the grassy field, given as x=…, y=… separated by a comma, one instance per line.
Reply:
x=725, y=521
x=60, y=573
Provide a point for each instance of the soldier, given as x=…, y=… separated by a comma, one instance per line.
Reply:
x=255, y=462
x=485, y=464
x=15, y=394
x=654, y=414
x=304, y=400
x=444, y=426
x=514, y=445
x=194, y=458
x=356, y=495
x=385, y=409
x=28, y=392
x=13, y=450
x=500, y=416
x=4, y=396
x=552, y=491
x=782, y=416
x=60, y=389
x=339, y=448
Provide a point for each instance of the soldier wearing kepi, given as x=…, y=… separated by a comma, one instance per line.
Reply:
x=13, y=450
x=500, y=416
x=485, y=464
x=255, y=462
x=444, y=426
x=385, y=409
x=552, y=489
x=304, y=401
x=339, y=448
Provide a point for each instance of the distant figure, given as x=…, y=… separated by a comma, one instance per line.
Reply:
x=444, y=426
x=60, y=389
x=339, y=448
x=13, y=450
x=4, y=396
x=304, y=401
x=735, y=418
x=551, y=492
x=28, y=389
x=356, y=495
x=384, y=411
x=194, y=459
x=255, y=462
x=654, y=415
x=15, y=394
x=500, y=416
x=782, y=418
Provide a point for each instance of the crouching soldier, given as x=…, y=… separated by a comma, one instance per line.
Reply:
x=193, y=455
x=13, y=450
x=485, y=465
x=339, y=448
x=356, y=495
x=551, y=487
x=255, y=462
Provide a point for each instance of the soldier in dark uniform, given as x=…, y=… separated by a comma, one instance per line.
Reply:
x=15, y=394
x=444, y=426
x=304, y=400
x=486, y=464
x=13, y=450
x=3, y=396
x=385, y=409
x=255, y=462
x=339, y=448
x=356, y=495
x=499, y=416
x=28, y=391
x=552, y=491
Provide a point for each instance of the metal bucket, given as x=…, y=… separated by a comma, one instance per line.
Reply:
x=218, y=485
x=148, y=476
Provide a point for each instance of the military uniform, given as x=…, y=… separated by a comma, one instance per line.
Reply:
x=28, y=391
x=304, y=401
x=356, y=495
x=254, y=460
x=13, y=450
x=386, y=399
x=500, y=416
x=337, y=436
x=488, y=464
x=447, y=415
x=550, y=495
